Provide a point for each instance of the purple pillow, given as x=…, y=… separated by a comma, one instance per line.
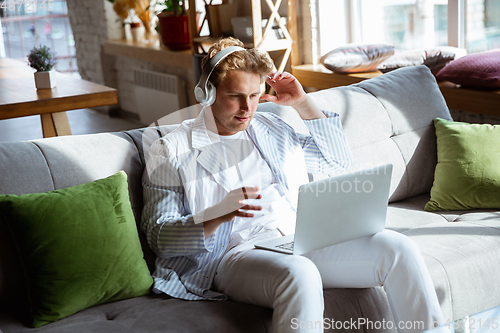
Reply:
x=479, y=70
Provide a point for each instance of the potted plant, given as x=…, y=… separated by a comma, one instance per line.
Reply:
x=43, y=60
x=173, y=24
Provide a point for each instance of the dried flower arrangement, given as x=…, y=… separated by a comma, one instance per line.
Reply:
x=140, y=7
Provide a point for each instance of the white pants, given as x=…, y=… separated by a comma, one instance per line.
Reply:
x=293, y=285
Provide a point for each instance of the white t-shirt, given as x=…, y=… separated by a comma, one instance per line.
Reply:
x=276, y=211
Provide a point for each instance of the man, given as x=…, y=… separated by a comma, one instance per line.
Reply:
x=229, y=178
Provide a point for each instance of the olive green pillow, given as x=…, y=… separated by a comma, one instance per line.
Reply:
x=78, y=246
x=467, y=174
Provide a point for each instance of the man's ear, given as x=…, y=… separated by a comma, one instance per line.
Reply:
x=262, y=87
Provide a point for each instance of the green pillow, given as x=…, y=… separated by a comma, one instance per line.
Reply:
x=78, y=246
x=467, y=174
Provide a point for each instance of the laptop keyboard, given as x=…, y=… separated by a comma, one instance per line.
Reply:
x=286, y=246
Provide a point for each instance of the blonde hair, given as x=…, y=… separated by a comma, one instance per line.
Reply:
x=250, y=60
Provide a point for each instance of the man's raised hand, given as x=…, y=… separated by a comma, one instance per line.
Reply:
x=288, y=89
x=289, y=92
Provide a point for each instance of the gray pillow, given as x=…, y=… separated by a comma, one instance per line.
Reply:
x=435, y=58
x=357, y=58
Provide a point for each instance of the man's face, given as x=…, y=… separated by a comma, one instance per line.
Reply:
x=237, y=99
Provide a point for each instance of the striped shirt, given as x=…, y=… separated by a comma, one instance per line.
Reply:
x=186, y=174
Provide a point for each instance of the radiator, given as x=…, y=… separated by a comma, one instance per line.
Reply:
x=157, y=95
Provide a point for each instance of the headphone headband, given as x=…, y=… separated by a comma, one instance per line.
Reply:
x=202, y=91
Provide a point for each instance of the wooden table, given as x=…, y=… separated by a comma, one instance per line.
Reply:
x=20, y=98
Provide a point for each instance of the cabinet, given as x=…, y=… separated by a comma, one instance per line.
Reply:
x=263, y=39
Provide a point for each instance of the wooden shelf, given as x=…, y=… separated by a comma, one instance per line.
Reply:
x=205, y=39
x=267, y=45
x=472, y=100
x=317, y=76
x=275, y=44
x=209, y=40
x=262, y=38
x=151, y=52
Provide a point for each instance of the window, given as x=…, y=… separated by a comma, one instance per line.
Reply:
x=482, y=25
x=409, y=24
x=25, y=24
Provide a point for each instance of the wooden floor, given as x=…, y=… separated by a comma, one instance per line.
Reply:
x=83, y=121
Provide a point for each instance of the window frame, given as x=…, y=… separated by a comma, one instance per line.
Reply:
x=351, y=10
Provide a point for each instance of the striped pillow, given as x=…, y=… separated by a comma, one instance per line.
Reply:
x=355, y=58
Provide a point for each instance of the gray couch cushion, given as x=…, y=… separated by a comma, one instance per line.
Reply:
x=161, y=313
x=464, y=250
x=460, y=249
x=154, y=313
x=24, y=169
x=54, y=163
x=79, y=159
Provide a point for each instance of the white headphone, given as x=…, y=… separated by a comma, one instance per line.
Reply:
x=205, y=91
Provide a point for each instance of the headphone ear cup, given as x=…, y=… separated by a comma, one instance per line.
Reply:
x=211, y=94
x=199, y=93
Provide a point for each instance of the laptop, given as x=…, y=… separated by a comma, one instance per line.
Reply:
x=336, y=210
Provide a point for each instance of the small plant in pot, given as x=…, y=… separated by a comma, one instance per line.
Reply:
x=43, y=60
x=173, y=24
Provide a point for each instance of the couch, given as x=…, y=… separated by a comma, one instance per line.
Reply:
x=387, y=119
